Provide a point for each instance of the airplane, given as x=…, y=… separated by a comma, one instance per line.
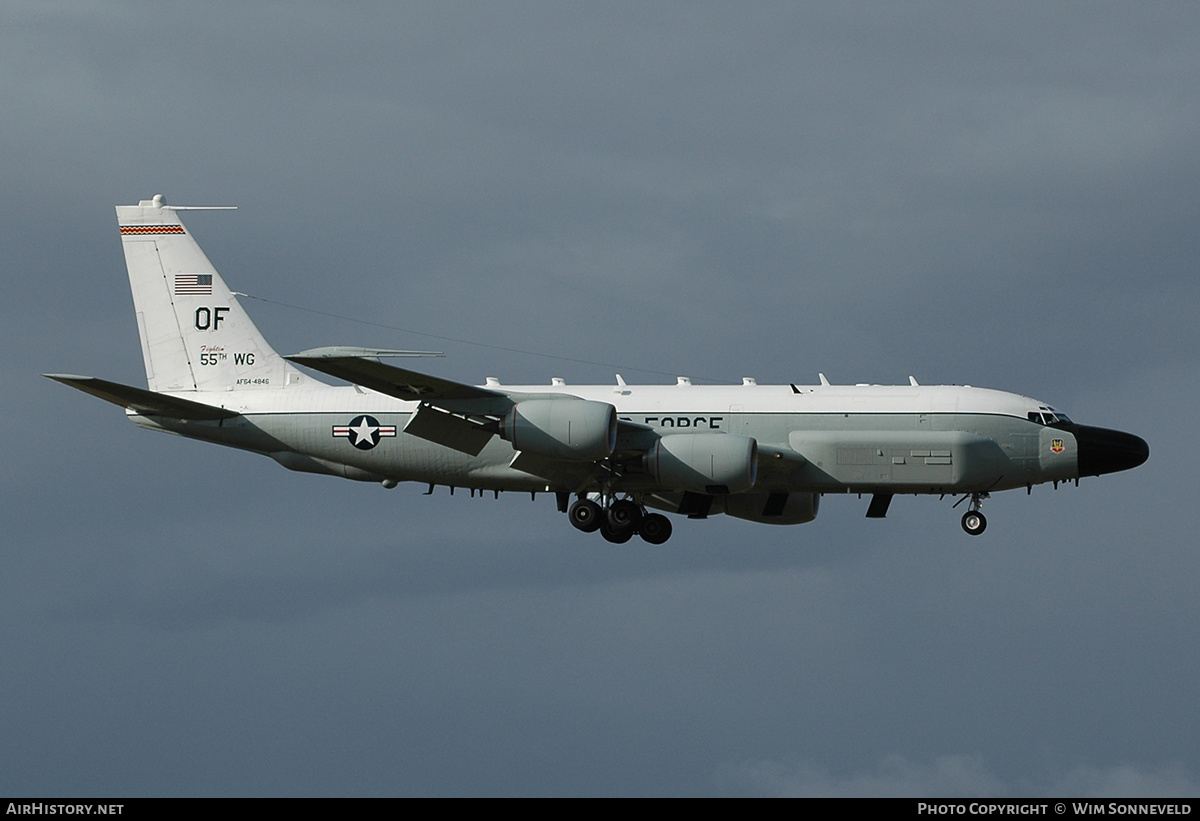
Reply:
x=762, y=453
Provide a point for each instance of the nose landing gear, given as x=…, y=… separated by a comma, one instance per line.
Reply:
x=973, y=521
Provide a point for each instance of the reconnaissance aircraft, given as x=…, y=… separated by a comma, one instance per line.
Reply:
x=765, y=453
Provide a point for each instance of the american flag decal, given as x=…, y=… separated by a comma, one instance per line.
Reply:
x=193, y=284
x=151, y=229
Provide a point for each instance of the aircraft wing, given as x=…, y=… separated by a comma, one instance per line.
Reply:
x=144, y=402
x=357, y=365
x=449, y=413
x=458, y=416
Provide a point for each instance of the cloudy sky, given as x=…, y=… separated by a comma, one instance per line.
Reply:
x=995, y=194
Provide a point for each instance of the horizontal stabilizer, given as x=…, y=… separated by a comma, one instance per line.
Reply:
x=139, y=400
x=369, y=372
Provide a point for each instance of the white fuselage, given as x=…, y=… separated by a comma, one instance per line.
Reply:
x=866, y=438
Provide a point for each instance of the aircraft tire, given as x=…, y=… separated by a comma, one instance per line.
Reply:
x=624, y=515
x=656, y=528
x=586, y=515
x=974, y=522
x=614, y=535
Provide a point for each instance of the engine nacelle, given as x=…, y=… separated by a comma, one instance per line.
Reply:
x=576, y=429
x=774, y=508
x=713, y=463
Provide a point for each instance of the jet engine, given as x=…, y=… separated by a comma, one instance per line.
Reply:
x=712, y=463
x=576, y=429
x=774, y=508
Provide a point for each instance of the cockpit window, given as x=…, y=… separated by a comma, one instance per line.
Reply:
x=1049, y=417
x=1053, y=417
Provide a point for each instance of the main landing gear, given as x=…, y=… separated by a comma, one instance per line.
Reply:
x=973, y=521
x=620, y=521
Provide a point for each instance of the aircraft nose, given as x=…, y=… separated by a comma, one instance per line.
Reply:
x=1107, y=451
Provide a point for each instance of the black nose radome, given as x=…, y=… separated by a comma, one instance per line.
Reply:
x=1108, y=451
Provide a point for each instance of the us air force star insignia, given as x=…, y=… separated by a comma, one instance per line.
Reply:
x=364, y=432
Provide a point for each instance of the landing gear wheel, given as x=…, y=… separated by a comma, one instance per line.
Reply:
x=586, y=515
x=614, y=535
x=656, y=528
x=974, y=522
x=624, y=515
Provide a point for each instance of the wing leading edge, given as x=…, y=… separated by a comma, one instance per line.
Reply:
x=362, y=366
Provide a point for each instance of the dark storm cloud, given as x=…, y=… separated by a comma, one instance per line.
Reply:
x=998, y=195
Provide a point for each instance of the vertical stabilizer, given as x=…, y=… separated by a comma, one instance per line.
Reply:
x=195, y=335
